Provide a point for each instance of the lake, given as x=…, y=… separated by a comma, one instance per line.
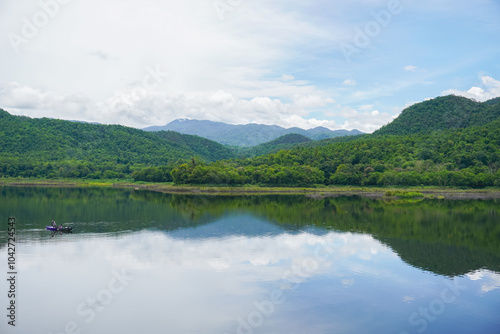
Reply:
x=145, y=262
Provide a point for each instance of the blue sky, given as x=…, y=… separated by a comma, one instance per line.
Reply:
x=339, y=64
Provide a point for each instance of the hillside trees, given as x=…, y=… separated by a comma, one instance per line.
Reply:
x=264, y=175
x=51, y=148
x=461, y=158
x=448, y=141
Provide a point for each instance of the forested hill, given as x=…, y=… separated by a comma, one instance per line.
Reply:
x=442, y=113
x=51, y=147
x=467, y=157
x=205, y=148
x=282, y=143
x=492, y=101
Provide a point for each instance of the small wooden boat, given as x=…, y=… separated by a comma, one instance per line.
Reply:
x=59, y=229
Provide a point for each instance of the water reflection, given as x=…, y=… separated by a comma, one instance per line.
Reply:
x=144, y=262
x=446, y=237
x=293, y=283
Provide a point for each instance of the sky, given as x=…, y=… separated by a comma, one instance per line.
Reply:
x=340, y=64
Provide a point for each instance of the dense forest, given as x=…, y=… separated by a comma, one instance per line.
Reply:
x=460, y=158
x=443, y=113
x=55, y=148
x=447, y=141
x=282, y=143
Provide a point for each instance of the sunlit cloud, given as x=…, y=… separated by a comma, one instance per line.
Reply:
x=490, y=88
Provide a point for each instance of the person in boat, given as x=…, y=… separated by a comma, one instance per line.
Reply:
x=54, y=224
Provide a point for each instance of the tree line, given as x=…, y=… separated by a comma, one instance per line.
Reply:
x=462, y=158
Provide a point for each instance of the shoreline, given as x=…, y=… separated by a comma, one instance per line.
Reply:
x=317, y=193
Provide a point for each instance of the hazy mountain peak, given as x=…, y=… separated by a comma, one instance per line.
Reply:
x=244, y=135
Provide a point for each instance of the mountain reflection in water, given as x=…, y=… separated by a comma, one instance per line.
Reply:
x=149, y=262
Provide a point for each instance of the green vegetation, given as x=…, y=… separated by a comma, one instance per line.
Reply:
x=434, y=235
x=459, y=158
x=403, y=194
x=264, y=175
x=442, y=113
x=201, y=147
x=52, y=148
x=282, y=143
x=493, y=101
x=447, y=142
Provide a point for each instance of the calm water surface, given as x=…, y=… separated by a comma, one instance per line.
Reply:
x=142, y=262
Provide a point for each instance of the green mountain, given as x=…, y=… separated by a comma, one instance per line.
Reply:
x=442, y=113
x=493, y=101
x=282, y=143
x=448, y=141
x=247, y=135
x=202, y=147
x=51, y=147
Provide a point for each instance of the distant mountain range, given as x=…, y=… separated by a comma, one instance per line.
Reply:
x=247, y=135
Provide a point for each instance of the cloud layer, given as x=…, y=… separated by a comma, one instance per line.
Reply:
x=278, y=62
x=140, y=108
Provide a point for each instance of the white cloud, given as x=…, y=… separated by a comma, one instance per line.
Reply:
x=34, y=102
x=489, y=280
x=312, y=101
x=347, y=282
x=363, y=118
x=489, y=90
x=408, y=299
x=187, y=38
x=218, y=279
x=101, y=55
x=366, y=107
x=475, y=276
x=349, y=82
x=242, y=63
x=260, y=254
x=140, y=107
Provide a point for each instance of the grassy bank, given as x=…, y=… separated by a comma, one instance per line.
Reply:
x=319, y=192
